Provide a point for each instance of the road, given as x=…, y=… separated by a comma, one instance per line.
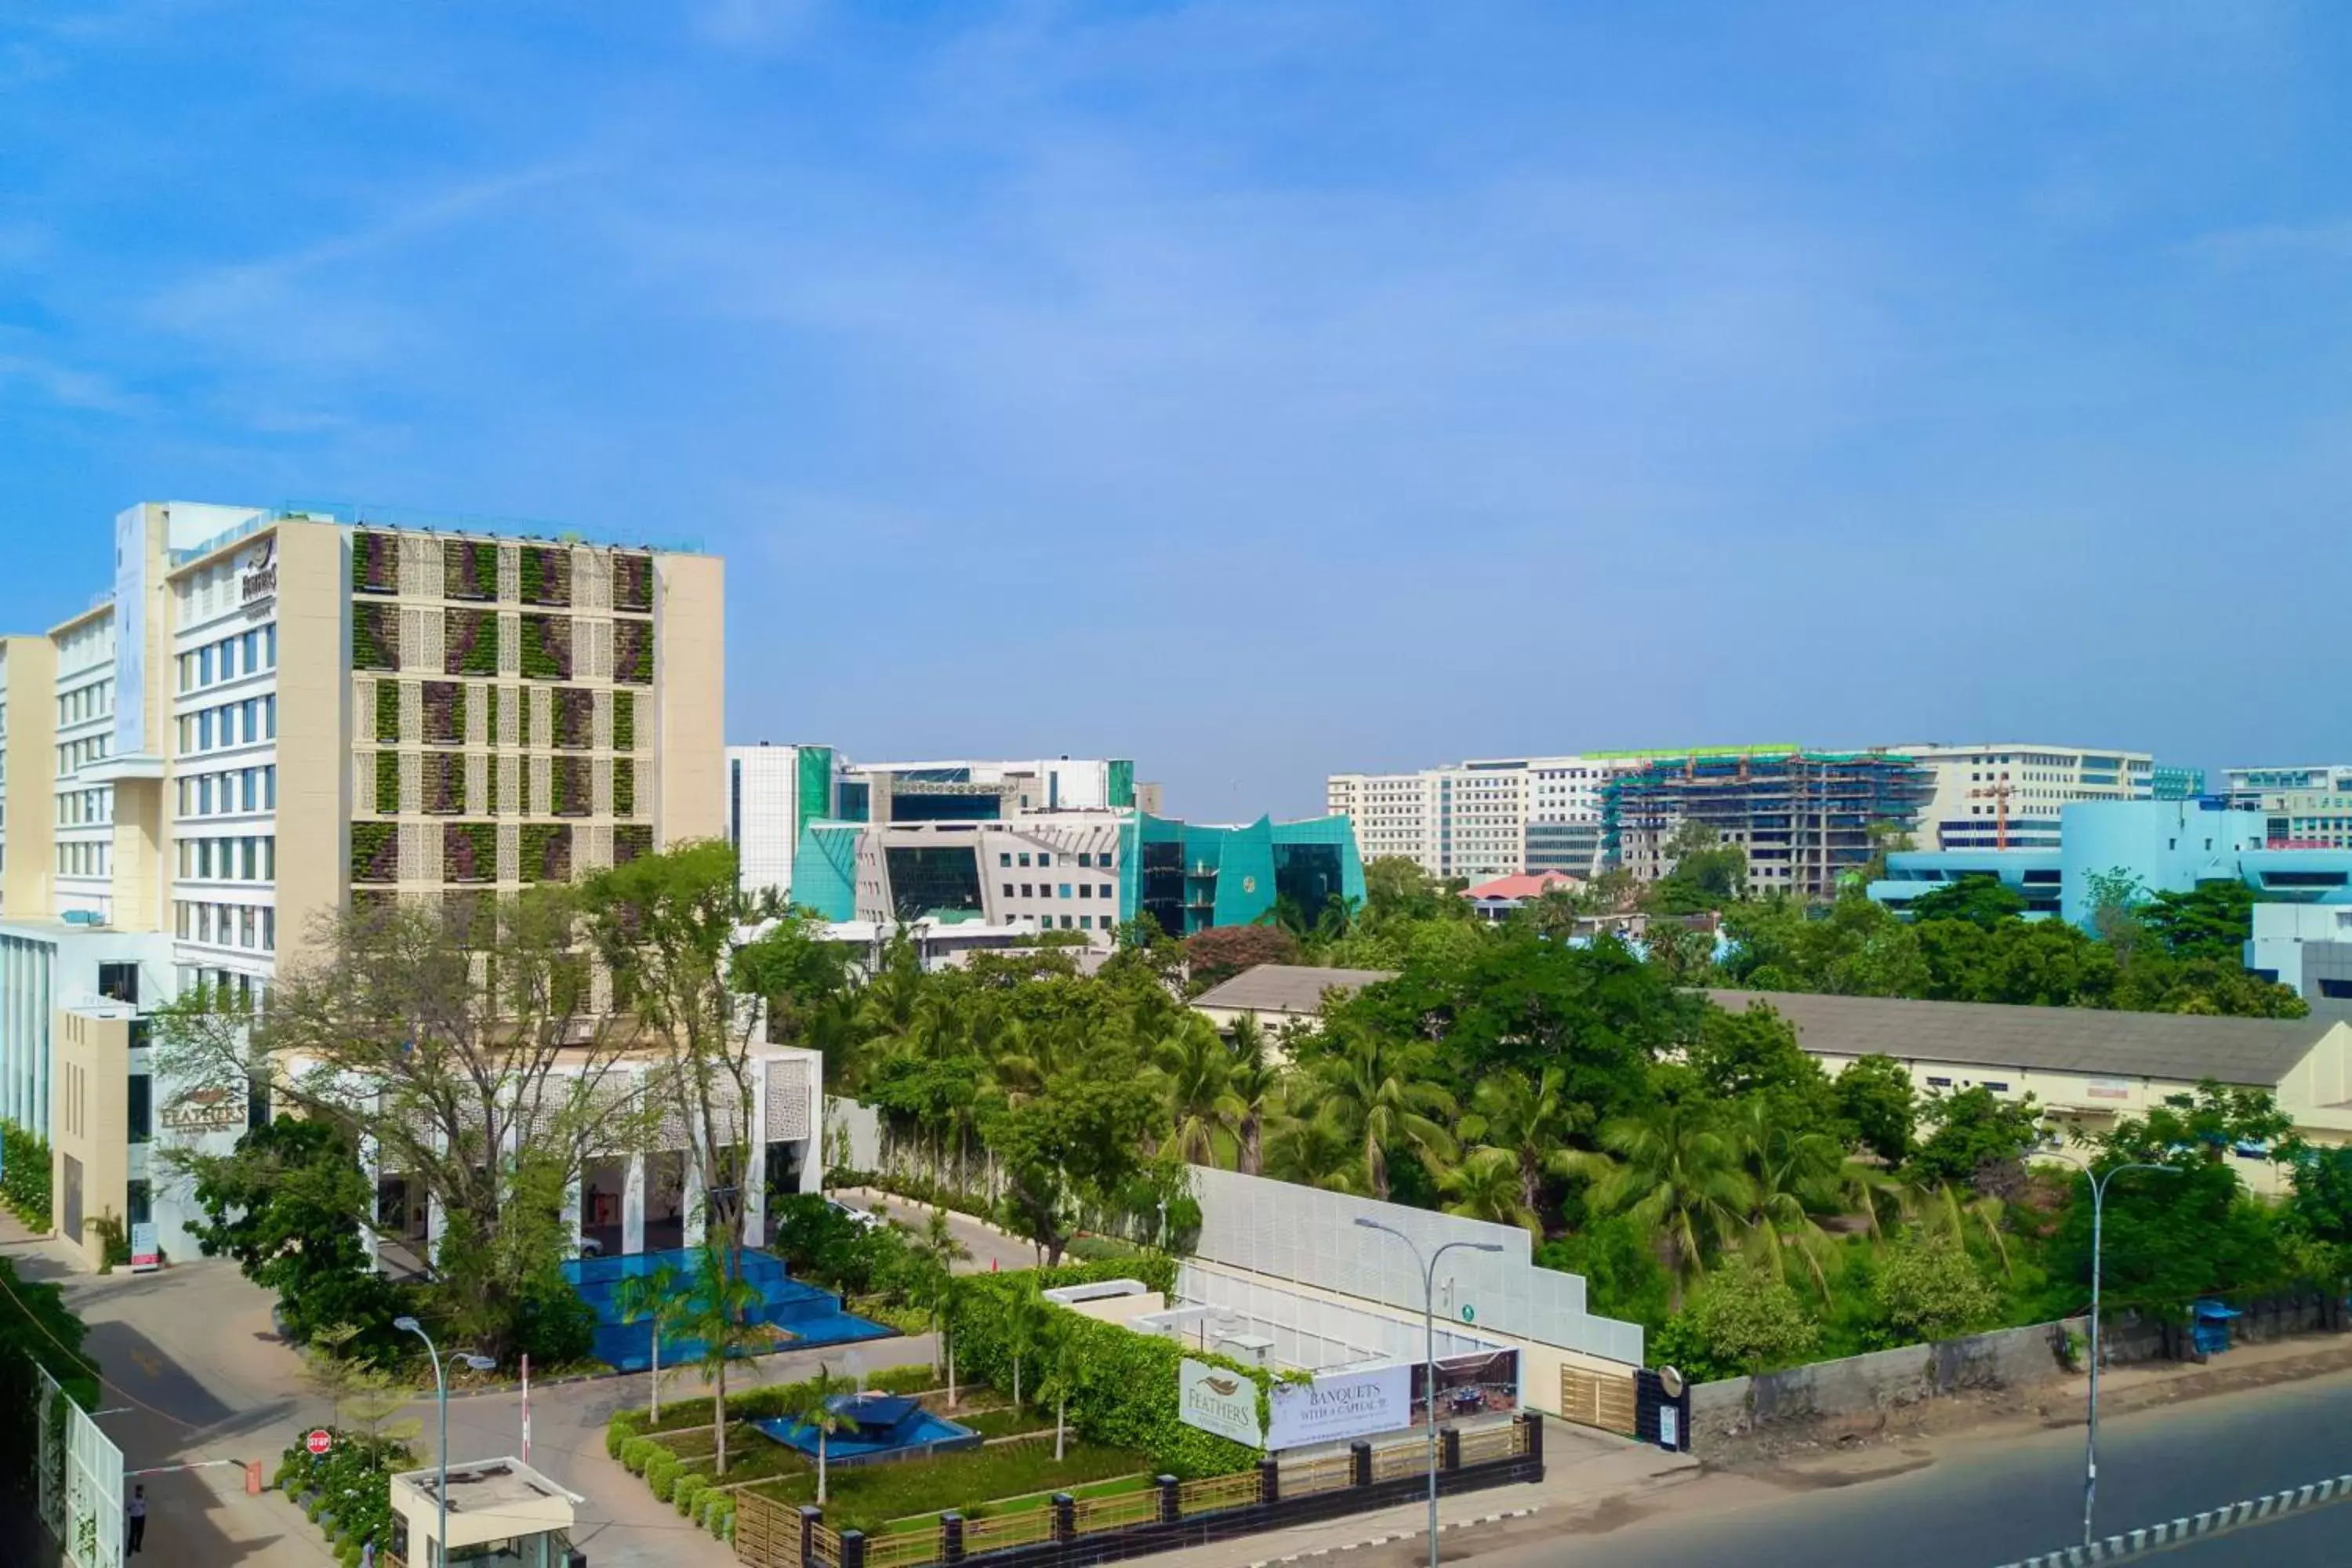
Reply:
x=990, y=1249
x=1992, y=1503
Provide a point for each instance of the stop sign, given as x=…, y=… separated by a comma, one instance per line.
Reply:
x=320, y=1441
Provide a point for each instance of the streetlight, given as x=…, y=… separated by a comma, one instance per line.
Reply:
x=441, y=1391
x=1429, y=1331
x=2098, y=1181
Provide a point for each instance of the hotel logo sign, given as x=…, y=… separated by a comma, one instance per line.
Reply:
x=1217, y=1399
x=260, y=572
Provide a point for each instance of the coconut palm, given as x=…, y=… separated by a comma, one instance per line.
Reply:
x=1257, y=1077
x=936, y=1253
x=1028, y=1322
x=1486, y=1185
x=1196, y=1073
x=1373, y=1088
x=813, y=1411
x=1944, y=1209
x=1529, y=1121
x=1794, y=1175
x=1313, y=1151
x=655, y=1295
x=1678, y=1177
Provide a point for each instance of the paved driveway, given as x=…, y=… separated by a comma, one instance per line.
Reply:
x=197, y=1375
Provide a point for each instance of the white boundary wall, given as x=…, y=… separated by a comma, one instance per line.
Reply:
x=1252, y=1226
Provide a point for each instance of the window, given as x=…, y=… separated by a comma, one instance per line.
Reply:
x=143, y=1107
x=205, y=667
x=204, y=731
x=269, y=644
x=1025, y=859
x=1005, y=858
x=1995, y=1088
x=1065, y=893
x=1086, y=890
x=1044, y=859
x=1086, y=922
x=1084, y=859
x=1939, y=1083
x=1027, y=891
x=1008, y=890
x=1065, y=922
x=270, y=931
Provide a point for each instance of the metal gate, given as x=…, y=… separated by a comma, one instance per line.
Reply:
x=1604, y=1399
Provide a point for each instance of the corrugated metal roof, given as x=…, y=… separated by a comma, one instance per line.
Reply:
x=1285, y=987
x=2253, y=1052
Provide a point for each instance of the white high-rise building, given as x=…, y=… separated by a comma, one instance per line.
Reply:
x=1493, y=817
x=2007, y=794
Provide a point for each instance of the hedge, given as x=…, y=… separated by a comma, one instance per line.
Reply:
x=546, y=852
x=444, y=783
x=624, y=787
x=624, y=1426
x=490, y=716
x=661, y=1471
x=546, y=574
x=684, y=1490
x=570, y=786
x=24, y=1180
x=387, y=711
x=444, y=711
x=1125, y=1395
x=630, y=841
x=637, y=1453
x=624, y=720
x=469, y=570
x=546, y=647
x=375, y=564
x=470, y=852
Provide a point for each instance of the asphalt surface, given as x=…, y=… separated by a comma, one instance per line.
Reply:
x=1994, y=1504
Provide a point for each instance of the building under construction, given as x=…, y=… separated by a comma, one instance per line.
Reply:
x=1804, y=818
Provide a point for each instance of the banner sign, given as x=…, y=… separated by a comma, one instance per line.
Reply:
x=1219, y=1401
x=1340, y=1405
x=143, y=1254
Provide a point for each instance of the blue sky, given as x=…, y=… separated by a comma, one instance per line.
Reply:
x=1260, y=388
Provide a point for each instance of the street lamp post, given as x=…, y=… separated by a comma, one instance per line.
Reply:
x=441, y=1394
x=2098, y=1180
x=1429, y=1335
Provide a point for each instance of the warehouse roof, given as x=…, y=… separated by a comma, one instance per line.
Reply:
x=1287, y=988
x=2256, y=1052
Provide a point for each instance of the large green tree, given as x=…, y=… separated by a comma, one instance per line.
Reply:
x=1677, y=1174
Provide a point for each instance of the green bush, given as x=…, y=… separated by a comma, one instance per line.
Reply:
x=24, y=1174
x=719, y=1516
x=624, y=720
x=684, y=1490
x=1127, y=1393
x=637, y=1453
x=661, y=1470
x=624, y=1426
x=351, y=1482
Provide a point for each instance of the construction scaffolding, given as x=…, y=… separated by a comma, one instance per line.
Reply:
x=1804, y=818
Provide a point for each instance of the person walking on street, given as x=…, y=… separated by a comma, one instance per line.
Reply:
x=136, y=1512
x=367, y=1554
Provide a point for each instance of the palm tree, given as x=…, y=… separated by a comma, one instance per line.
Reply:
x=1314, y=1151
x=1529, y=1121
x=1028, y=1322
x=1196, y=1071
x=1058, y=1380
x=1256, y=1077
x=936, y=1252
x=814, y=1411
x=1487, y=1186
x=1678, y=1177
x=655, y=1295
x=1794, y=1175
x=1371, y=1087
x=1940, y=1209
x=721, y=1318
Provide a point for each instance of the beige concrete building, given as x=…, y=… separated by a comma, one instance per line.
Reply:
x=1280, y=997
x=2085, y=1067
x=268, y=714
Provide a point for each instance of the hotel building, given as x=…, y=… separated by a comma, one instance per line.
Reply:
x=268, y=714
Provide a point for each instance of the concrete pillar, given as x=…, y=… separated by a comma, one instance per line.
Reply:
x=572, y=1213
x=697, y=1200
x=633, y=1206
x=433, y=1223
x=754, y=1175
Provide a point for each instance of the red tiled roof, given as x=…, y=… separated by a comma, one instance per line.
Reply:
x=1527, y=885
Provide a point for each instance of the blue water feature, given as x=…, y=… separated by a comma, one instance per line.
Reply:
x=808, y=1315
x=874, y=1427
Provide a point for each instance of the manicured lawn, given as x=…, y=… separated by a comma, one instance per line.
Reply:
x=976, y=1481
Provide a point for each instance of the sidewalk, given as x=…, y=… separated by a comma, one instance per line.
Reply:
x=1582, y=1471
